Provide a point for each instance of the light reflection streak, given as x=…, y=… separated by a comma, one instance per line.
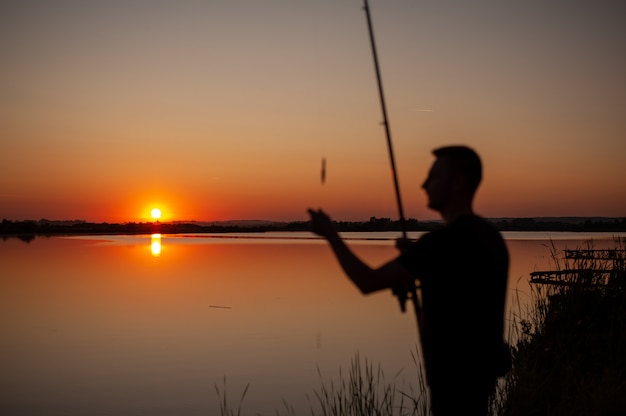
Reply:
x=155, y=244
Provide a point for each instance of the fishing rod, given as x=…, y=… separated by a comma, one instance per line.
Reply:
x=385, y=119
x=402, y=293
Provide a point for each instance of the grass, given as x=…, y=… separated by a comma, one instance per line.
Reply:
x=569, y=357
x=364, y=391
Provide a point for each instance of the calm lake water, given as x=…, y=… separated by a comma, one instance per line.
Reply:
x=149, y=325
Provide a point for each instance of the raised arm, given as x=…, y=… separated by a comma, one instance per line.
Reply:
x=366, y=278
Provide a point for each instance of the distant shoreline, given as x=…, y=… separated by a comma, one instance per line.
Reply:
x=23, y=229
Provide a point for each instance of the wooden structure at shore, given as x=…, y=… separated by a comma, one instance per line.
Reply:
x=588, y=267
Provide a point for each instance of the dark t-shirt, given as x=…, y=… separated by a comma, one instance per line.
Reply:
x=462, y=270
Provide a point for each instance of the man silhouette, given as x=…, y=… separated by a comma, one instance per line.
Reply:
x=462, y=270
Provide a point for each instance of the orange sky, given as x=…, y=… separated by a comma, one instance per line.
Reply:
x=224, y=110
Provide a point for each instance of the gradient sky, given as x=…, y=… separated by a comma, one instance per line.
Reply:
x=224, y=109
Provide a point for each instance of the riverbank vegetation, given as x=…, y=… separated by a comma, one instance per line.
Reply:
x=569, y=357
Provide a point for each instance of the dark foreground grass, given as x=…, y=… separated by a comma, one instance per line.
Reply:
x=569, y=358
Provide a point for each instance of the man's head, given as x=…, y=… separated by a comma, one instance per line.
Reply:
x=453, y=178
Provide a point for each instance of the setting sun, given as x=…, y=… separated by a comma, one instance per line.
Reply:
x=156, y=213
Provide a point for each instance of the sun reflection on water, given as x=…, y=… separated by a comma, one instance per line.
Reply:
x=155, y=244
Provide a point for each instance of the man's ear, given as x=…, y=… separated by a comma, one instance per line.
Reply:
x=461, y=185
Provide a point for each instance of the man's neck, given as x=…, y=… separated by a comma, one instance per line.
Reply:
x=454, y=213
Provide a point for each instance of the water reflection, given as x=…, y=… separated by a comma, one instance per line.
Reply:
x=89, y=318
x=155, y=244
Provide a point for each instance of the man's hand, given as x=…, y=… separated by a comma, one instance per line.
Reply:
x=403, y=244
x=321, y=223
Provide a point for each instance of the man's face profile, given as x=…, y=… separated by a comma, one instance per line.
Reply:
x=439, y=184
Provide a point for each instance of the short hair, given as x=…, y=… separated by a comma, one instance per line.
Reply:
x=465, y=162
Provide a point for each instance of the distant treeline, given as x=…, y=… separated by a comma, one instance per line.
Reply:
x=45, y=227
x=546, y=224
x=502, y=224
x=30, y=228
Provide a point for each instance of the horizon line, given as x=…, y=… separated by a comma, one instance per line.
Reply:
x=304, y=220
